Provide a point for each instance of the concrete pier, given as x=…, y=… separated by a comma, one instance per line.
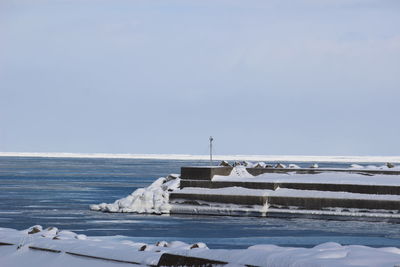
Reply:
x=231, y=199
x=306, y=202
x=204, y=173
x=365, y=201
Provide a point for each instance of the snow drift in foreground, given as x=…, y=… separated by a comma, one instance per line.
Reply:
x=96, y=251
x=38, y=247
x=152, y=199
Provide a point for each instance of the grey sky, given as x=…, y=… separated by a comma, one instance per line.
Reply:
x=263, y=77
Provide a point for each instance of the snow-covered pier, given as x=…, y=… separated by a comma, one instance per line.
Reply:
x=283, y=191
x=260, y=190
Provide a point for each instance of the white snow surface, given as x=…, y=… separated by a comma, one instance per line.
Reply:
x=325, y=255
x=240, y=173
x=152, y=199
x=66, y=241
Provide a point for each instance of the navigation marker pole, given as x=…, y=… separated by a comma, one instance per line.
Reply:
x=211, y=161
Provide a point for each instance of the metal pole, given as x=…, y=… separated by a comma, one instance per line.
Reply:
x=211, y=139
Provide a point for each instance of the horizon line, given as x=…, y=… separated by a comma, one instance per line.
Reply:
x=292, y=158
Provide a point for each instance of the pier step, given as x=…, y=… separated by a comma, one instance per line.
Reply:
x=280, y=191
x=351, y=188
x=216, y=198
x=218, y=210
x=207, y=173
x=317, y=203
x=284, y=199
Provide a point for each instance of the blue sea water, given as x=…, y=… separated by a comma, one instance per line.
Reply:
x=57, y=192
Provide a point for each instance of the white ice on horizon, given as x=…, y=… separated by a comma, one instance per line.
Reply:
x=281, y=158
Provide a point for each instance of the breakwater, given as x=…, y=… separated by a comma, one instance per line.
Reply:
x=286, y=191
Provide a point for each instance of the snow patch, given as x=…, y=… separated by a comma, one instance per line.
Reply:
x=323, y=177
x=239, y=171
x=327, y=254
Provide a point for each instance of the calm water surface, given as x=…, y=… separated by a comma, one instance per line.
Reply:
x=58, y=191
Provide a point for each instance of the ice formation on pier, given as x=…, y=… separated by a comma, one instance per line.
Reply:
x=152, y=199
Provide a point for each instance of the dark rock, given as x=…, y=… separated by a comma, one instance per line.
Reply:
x=171, y=177
x=390, y=165
x=259, y=165
x=162, y=244
x=224, y=163
x=168, y=259
x=194, y=246
x=280, y=166
x=34, y=230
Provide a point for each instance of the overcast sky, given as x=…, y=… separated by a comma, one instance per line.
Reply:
x=262, y=77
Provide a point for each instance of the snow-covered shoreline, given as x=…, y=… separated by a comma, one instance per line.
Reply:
x=282, y=158
x=38, y=247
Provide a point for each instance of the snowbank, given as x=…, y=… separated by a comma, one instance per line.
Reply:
x=152, y=199
x=61, y=248
x=38, y=247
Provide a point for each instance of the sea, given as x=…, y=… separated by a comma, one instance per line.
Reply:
x=58, y=191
